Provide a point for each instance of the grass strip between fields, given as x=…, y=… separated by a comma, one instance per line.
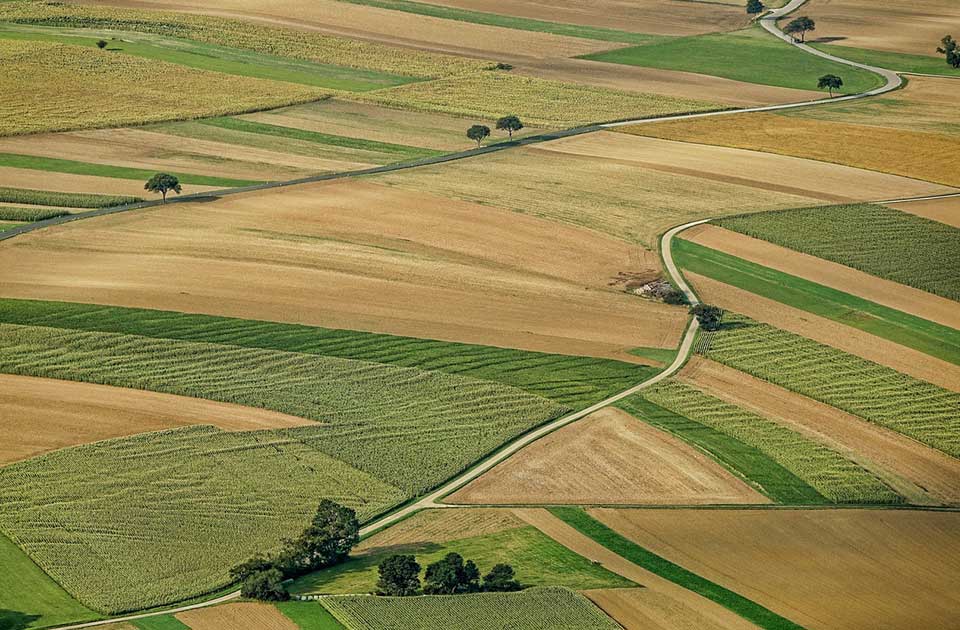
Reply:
x=160, y=622
x=622, y=546
x=309, y=615
x=908, y=330
x=900, y=62
x=71, y=200
x=58, y=165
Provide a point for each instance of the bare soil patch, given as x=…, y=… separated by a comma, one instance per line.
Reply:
x=829, y=332
x=441, y=525
x=66, y=182
x=234, y=616
x=356, y=255
x=823, y=569
x=609, y=457
x=923, y=475
x=649, y=609
x=942, y=210
x=40, y=414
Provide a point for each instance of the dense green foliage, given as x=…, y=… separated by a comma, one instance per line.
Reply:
x=399, y=576
x=875, y=239
x=908, y=330
x=13, y=213
x=450, y=575
x=69, y=200
x=572, y=381
x=918, y=409
x=533, y=609
x=832, y=475
x=753, y=612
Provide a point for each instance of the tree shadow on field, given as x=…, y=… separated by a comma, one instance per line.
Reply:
x=733, y=326
x=15, y=620
x=203, y=199
x=825, y=40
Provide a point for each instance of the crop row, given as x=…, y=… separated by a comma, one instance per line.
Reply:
x=875, y=239
x=918, y=409
x=833, y=476
x=13, y=213
x=70, y=200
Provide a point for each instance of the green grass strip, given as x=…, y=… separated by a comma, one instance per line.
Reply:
x=509, y=21
x=908, y=330
x=160, y=622
x=901, y=62
x=248, y=126
x=7, y=225
x=57, y=165
x=309, y=615
x=744, y=460
x=749, y=610
x=71, y=200
x=13, y=213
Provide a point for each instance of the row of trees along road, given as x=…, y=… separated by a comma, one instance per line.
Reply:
x=478, y=133
x=400, y=577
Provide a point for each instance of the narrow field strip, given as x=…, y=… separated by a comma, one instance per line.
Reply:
x=13, y=213
x=898, y=62
x=597, y=531
x=53, y=198
x=873, y=392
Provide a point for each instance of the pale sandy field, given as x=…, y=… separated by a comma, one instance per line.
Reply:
x=942, y=210
x=66, y=182
x=234, y=616
x=649, y=609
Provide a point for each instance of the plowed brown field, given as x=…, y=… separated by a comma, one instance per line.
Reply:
x=239, y=616
x=942, y=210
x=823, y=569
x=648, y=609
x=39, y=414
x=609, y=457
x=357, y=255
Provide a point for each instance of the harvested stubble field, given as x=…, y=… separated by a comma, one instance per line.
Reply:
x=83, y=185
x=42, y=415
x=824, y=569
x=870, y=391
x=54, y=87
x=650, y=609
x=908, y=153
x=833, y=476
x=943, y=210
x=608, y=458
x=356, y=255
x=234, y=616
x=875, y=239
x=533, y=609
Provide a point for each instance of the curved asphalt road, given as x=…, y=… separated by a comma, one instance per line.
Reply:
x=769, y=22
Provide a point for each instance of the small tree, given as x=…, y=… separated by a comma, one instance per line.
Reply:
x=951, y=49
x=101, y=44
x=510, y=124
x=831, y=82
x=478, y=133
x=501, y=579
x=451, y=575
x=399, y=576
x=265, y=585
x=163, y=183
x=800, y=26
x=708, y=316
x=754, y=7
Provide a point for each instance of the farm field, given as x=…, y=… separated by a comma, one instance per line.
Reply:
x=608, y=458
x=943, y=210
x=817, y=568
x=68, y=183
x=329, y=256
x=646, y=609
x=242, y=615
x=52, y=201
x=899, y=62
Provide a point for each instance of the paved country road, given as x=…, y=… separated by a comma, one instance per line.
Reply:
x=769, y=22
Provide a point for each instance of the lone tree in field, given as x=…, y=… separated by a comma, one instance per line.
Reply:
x=101, y=44
x=708, y=316
x=754, y=7
x=265, y=585
x=478, y=133
x=800, y=26
x=501, y=579
x=831, y=82
x=950, y=48
x=399, y=576
x=510, y=124
x=451, y=575
x=163, y=183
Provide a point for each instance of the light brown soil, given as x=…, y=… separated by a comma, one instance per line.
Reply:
x=648, y=609
x=239, y=616
x=356, y=255
x=39, y=414
x=65, y=182
x=909, y=27
x=942, y=210
x=671, y=595
x=830, y=182
x=611, y=458
x=922, y=475
x=822, y=569
x=831, y=333
x=441, y=525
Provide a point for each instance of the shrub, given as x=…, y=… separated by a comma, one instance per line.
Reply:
x=266, y=586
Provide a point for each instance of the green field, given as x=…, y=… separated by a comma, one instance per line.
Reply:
x=533, y=609
x=833, y=476
x=875, y=239
x=914, y=332
x=70, y=200
x=160, y=622
x=918, y=409
x=901, y=62
x=309, y=615
x=750, y=55
x=9, y=225
x=29, y=598
x=571, y=381
x=753, y=612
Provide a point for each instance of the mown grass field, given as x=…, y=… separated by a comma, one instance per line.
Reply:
x=915, y=408
x=914, y=332
x=875, y=239
x=309, y=615
x=750, y=55
x=533, y=609
x=70, y=200
x=833, y=476
x=900, y=62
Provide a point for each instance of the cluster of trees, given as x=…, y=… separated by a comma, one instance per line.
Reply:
x=400, y=576
x=509, y=124
x=709, y=316
x=951, y=49
x=799, y=27
x=327, y=541
x=754, y=7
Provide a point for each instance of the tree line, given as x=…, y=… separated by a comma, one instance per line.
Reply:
x=451, y=575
